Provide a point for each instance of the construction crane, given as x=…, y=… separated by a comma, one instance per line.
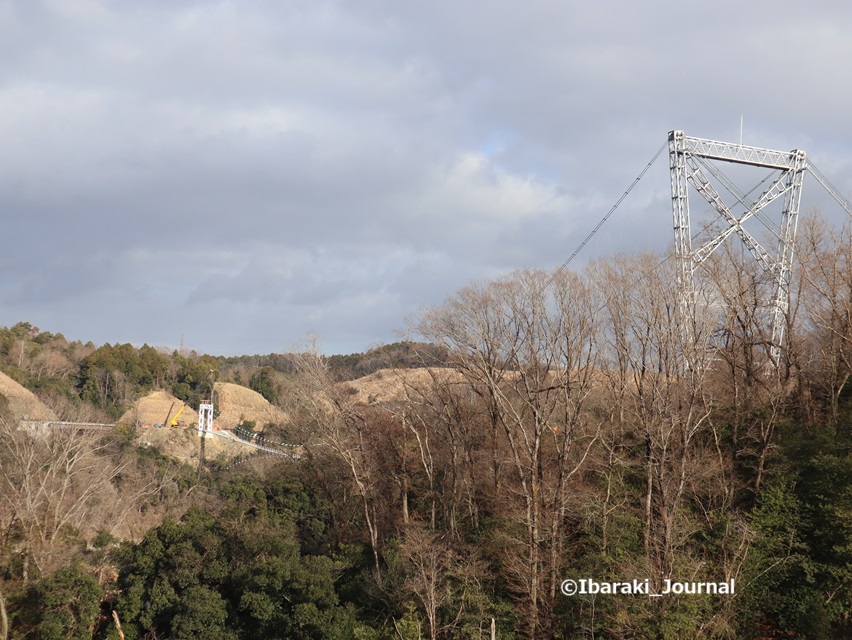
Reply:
x=174, y=422
x=168, y=415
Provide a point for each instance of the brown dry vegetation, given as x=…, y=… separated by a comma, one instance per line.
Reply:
x=394, y=385
x=237, y=403
x=22, y=402
x=575, y=407
x=156, y=408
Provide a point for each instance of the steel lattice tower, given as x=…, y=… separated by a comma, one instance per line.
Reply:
x=688, y=157
x=205, y=426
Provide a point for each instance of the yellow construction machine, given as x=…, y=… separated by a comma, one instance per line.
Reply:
x=174, y=421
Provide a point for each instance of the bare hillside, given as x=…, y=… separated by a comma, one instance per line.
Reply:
x=157, y=408
x=237, y=403
x=394, y=385
x=22, y=402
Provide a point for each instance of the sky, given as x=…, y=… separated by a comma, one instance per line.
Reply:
x=244, y=174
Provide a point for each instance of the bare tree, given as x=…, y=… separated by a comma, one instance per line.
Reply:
x=430, y=560
x=446, y=418
x=339, y=428
x=443, y=577
x=4, y=619
x=53, y=485
x=662, y=359
x=826, y=258
x=752, y=390
x=525, y=345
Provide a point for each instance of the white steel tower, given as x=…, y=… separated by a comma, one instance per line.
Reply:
x=688, y=158
x=205, y=426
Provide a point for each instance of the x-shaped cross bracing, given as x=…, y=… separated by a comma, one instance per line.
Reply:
x=687, y=159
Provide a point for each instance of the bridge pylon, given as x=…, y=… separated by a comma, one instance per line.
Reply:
x=205, y=426
x=689, y=158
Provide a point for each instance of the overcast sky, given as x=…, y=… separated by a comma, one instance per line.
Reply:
x=245, y=173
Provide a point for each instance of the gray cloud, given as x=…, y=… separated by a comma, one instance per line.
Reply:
x=243, y=173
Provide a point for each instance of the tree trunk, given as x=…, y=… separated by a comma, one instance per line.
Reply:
x=649, y=492
x=4, y=619
x=117, y=624
x=405, y=500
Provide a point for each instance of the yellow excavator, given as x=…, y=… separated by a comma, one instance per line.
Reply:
x=174, y=421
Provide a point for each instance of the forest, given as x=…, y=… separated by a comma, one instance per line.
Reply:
x=536, y=428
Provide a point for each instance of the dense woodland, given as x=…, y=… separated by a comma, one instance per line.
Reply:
x=564, y=425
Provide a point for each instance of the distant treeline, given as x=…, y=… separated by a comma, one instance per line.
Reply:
x=72, y=375
x=402, y=355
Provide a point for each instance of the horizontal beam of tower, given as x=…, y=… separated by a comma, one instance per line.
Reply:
x=741, y=154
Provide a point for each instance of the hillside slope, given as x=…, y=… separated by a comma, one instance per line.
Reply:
x=22, y=402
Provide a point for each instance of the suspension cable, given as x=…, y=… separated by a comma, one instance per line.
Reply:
x=832, y=191
x=608, y=214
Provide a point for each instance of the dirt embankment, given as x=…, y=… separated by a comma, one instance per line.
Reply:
x=237, y=403
x=22, y=402
x=184, y=444
x=159, y=407
x=395, y=385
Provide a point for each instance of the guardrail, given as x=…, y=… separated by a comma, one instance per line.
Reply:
x=35, y=425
